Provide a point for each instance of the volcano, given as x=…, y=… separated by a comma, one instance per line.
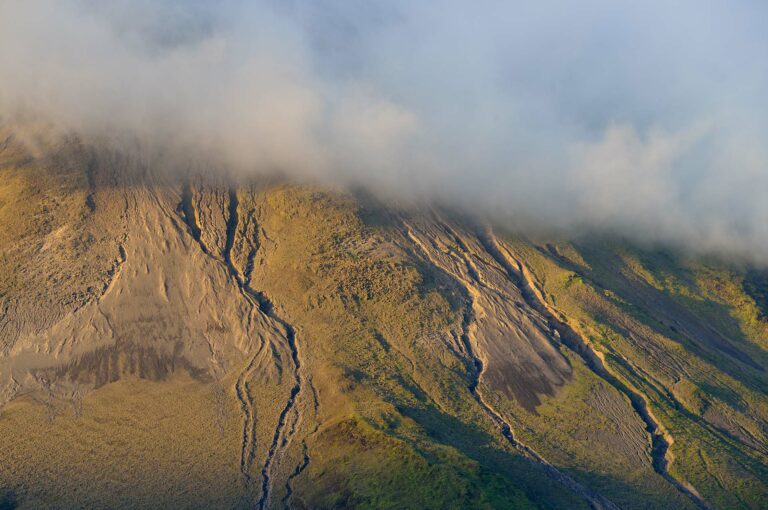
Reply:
x=179, y=340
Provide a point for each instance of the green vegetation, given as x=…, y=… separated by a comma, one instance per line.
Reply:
x=691, y=338
x=369, y=468
x=340, y=354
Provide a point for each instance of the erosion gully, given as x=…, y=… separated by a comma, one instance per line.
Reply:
x=660, y=443
x=187, y=210
x=595, y=501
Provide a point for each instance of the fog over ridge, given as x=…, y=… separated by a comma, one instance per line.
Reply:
x=646, y=119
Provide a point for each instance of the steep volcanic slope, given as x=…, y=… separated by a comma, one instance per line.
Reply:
x=685, y=335
x=173, y=342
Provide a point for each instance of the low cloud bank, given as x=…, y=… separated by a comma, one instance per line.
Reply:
x=647, y=120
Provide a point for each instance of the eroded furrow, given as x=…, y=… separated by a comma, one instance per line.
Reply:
x=290, y=334
x=477, y=371
x=258, y=300
x=242, y=390
x=90, y=175
x=188, y=212
x=661, y=440
x=276, y=445
x=186, y=209
x=680, y=370
x=232, y=220
x=595, y=501
x=306, y=459
x=299, y=469
x=248, y=447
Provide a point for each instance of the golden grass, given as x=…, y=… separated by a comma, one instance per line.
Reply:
x=136, y=444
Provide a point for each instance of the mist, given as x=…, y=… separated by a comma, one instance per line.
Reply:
x=644, y=119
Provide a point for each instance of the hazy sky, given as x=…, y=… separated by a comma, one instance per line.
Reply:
x=645, y=118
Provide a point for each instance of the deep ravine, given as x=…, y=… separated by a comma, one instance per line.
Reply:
x=188, y=212
x=660, y=438
x=306, y=459
x=266, y=307
x=186, y=209
x=477, y=370
x=594, y=500
x=245, y=398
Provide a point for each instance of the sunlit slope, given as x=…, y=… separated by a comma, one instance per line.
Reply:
x=131, y=443
x=275, y=345
x=689, y=336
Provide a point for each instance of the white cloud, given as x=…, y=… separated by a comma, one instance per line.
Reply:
x=646, y=119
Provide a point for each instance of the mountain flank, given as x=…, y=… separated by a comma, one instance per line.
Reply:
x=187, y=340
